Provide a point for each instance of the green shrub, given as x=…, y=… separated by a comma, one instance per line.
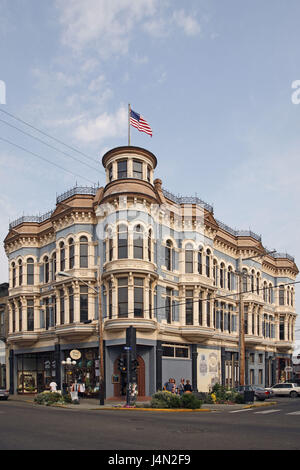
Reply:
x=239, y=398
x=188, y=400
x=165, y=400
x=170, y=400
x=49, y=398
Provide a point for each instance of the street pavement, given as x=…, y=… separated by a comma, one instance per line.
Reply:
x=27, y=426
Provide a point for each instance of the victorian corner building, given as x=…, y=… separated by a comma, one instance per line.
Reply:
x=164, y=265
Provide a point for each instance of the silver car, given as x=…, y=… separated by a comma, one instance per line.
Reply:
x=4, y=394
x=287, y=389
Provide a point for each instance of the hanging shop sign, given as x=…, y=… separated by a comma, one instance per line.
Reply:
x=75, y=354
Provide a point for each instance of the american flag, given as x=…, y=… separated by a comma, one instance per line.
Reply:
x=136, y=120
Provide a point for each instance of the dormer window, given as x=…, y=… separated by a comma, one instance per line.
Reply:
x=122, y=169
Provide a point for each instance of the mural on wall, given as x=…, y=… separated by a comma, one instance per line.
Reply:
x=209, y=367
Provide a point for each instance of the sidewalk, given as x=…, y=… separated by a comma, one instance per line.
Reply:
x=93, y=404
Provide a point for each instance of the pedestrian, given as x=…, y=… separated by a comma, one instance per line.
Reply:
x=188, y=387
x=53, y=386
x=169, y=385
x=181, y=387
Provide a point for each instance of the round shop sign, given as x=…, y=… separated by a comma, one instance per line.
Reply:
x=75, y=354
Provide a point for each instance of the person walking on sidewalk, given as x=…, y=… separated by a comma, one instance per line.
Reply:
x=181, y=387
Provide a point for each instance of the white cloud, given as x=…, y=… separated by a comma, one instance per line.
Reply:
x=106, y=24
x=187, y=22
x=104, y=126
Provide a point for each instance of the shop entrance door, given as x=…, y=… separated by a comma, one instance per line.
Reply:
x=120, y=387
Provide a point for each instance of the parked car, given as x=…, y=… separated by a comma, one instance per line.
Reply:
x=259, y=393
x=287, y=389
x=4, y=394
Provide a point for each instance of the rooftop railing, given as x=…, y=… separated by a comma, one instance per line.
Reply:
x=187, y=200
x=62, y=197
x=239, y=233
x=91, y=190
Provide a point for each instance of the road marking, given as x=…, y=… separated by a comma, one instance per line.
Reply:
x=294, y=413
x=265, y=412
x=239, y=411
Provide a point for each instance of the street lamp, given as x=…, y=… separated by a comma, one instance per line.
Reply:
x=68, y=365
x=100, y=331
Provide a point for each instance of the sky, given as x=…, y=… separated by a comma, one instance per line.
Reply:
x=214, y=80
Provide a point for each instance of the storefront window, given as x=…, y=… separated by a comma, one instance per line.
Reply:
x=35, y=372
x=85, y=374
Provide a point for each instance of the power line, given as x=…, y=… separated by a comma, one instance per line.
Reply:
x=45, y=159
x=51, y=146
x=217, y=297
x=48, y=135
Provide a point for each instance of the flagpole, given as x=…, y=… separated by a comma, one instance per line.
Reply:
x=128, y=125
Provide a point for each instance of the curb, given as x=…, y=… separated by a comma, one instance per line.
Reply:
x=168, y=410
x=261, y=404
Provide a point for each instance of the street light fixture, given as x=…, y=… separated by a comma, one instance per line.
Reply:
x=68, y=365
x=100, y=331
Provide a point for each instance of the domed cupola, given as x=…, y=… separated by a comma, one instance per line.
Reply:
x=129, y=170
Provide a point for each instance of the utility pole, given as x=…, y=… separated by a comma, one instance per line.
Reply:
x=101, y=341
x=241, y=327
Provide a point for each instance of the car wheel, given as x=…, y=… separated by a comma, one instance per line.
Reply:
x=293, y=394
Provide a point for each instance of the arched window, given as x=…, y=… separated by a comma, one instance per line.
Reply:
x=245, y=280
x=13, y=274
x=20, y=272
x=270, y=294
x=215, y=272
x=138, y=242
x=150, y=245
x=71, y=253
x=257, y=284
x=189, y=257
x=200, y=251
x=222, y=275
x=169, y=255
x=46, y=269
x=265, y=292
x=281, y=295
x=207, y=263
x=229, y=278
x=122, y=241
x=30, y=272
x=53, y=267
x=84, y=252
x=62, y=256
x=252, y=280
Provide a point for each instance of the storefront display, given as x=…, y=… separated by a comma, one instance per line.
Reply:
x=35, y=372
x=85, y=374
